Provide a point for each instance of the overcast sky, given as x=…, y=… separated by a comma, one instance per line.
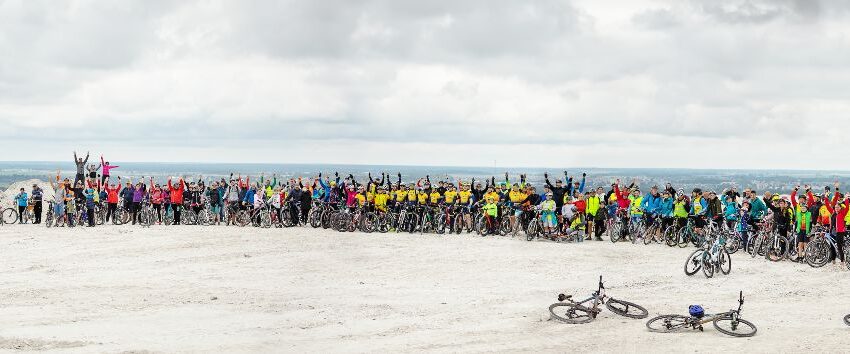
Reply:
x=714, y=84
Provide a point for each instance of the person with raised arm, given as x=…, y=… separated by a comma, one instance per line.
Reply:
x=81, y=165
x=59, y=194
x=156, y=199
x=106, y=169
x=841, y=208
x=176, y=191
x=112, y=190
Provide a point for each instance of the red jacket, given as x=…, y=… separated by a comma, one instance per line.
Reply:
x=112, y=194
x=840, y=225
x=176, y=192
x=622, y=201
x=581, y=205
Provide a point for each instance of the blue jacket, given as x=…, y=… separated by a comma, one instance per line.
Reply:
x=127, y=193
x=651, y=204
x=666, y=207
x=249, y=196
x=730, y=210
x=22, y=198
x=327, y=189
x=757, y=209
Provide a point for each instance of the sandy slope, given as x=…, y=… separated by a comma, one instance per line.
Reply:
x=297, y=290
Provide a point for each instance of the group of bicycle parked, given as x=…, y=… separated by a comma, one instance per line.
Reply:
x=770, y=225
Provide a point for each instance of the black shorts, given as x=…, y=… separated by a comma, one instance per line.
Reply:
x=802, y=236
x=699, y=222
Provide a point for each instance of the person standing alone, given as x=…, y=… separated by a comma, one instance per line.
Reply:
x=37, y=196
x=22, y=200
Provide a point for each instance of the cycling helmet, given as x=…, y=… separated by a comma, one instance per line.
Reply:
x=696, y=311
x=697, y=190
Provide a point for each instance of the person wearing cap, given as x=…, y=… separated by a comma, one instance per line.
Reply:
x=490, y=209
x=699, y=207
x=596, y=213
x=36, y=197
x=665, y=209
x=547, y=208
x=635, y=209
x=651, y=206
x=558, y=190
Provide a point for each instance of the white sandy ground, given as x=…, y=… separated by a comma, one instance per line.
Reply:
x=227, y=289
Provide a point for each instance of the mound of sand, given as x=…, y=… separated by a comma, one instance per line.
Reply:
x=8, y=196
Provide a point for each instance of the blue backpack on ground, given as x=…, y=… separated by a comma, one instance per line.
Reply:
x=696, y=311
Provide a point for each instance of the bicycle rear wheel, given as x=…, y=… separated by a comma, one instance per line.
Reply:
x=694, y=263
x=707, y=264
x=725, y=262
x=735, y=328
x=571, y=313
x=667, y=323
x=626, y=309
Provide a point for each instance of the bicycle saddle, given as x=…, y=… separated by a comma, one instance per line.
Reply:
x=562, y=297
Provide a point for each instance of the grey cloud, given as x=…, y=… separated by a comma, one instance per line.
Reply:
x=656, y=19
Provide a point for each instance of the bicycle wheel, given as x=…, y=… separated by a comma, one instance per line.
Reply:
x=649, y=235
x=733, y=243
x=532, y=230
x=243, y=218
x=505, y=226
x=694, y=263
x=725, y=262
x=777, y=248
x=626, y=309
x=48, y=219
x=10, y=216
x=670, y=236
x=571, y=313
x=457, y=223
x=667, y=323
x=735, y=327
x=370, y=223
x=616, y=232
x=683, y=238
x=817, y=253
x=756, y=246
x=440, y=224
x=707, y=264
x=481, y=225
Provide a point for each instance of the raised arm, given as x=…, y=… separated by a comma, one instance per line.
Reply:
x=583, y=180
x=546, y=179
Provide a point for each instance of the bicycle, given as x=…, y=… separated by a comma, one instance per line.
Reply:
x=822, y=248
x=654, y=231
x=580, y=313
x=729, y=323
x=48, y=215
x=711, y=257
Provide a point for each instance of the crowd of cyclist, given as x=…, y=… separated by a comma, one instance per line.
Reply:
x=563, y=208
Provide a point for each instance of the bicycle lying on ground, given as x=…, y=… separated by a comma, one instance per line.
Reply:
x=729, y=323
x=583, y=312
